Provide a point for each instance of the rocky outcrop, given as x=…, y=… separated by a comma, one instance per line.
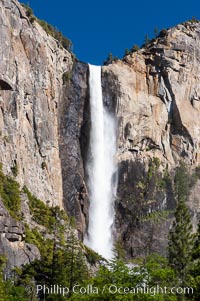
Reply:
x=155, y=94
x=12, y=244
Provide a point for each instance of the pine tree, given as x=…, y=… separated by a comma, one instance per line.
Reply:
x=126, y=52
x=3, y=291
x=156, y=32
x=195, y=270
x=196, y=249
x=146, y=40
x=180, y=242
x=135, y=48
x=182, y=182
x=75, y=267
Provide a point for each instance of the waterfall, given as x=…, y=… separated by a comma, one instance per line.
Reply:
x=101, y=168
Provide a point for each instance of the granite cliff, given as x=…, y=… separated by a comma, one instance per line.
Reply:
x=45, y=123
x=39, y=122
x=155, y=94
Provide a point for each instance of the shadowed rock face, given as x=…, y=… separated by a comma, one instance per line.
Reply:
x=45, y=123
x=73, y=144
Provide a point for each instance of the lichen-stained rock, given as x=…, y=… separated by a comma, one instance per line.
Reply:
x=155, y=94
x=32, y=64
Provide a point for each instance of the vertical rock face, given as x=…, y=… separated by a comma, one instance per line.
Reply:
x=157, y=98
x=32, y=64
x=45, y=124
x=73, y=143
x=43, y=93
x=42, y=103
x=155, y=93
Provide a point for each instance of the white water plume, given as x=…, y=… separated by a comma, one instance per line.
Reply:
x=101, y=167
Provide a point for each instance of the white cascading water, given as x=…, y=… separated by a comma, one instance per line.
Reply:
x=101, y=167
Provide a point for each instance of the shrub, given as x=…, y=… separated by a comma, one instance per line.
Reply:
x=10, y=194
x=52, y=31
x=92, y=256
x=44, y=165
x=33, y=237
x=162, y=33
x=29, y=12
x=110, y=58
x=66, y=77
x=135, y=48
x=65, y=42
x=39, y=211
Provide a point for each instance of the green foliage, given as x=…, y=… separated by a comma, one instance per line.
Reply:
x=146, y=40
x=195, y=266
x=43, y=214
x=61, y=262
x=29, y=12
x=153, y=167
x=159, y=273
x=3, y=295
x=8, y=290
x=110, y=58
x=116, y=274
x=157, y=216
x=156, y=32
x=65, y=42
x=193, y=20
x=15, y=293
x=196, y=249
x=39, y=211
x=182, y=182
x=10, y=194
x=44, y=165
x=6, y=139
x=194, y=177
x=127, y=52
x=181, y=242
x=34, y=237
x=92, y=257
x=197, y=172
x=135, y=48
x=56, y=34
x=67, y=76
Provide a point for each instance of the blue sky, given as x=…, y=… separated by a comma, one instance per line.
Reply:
x=99, y=27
